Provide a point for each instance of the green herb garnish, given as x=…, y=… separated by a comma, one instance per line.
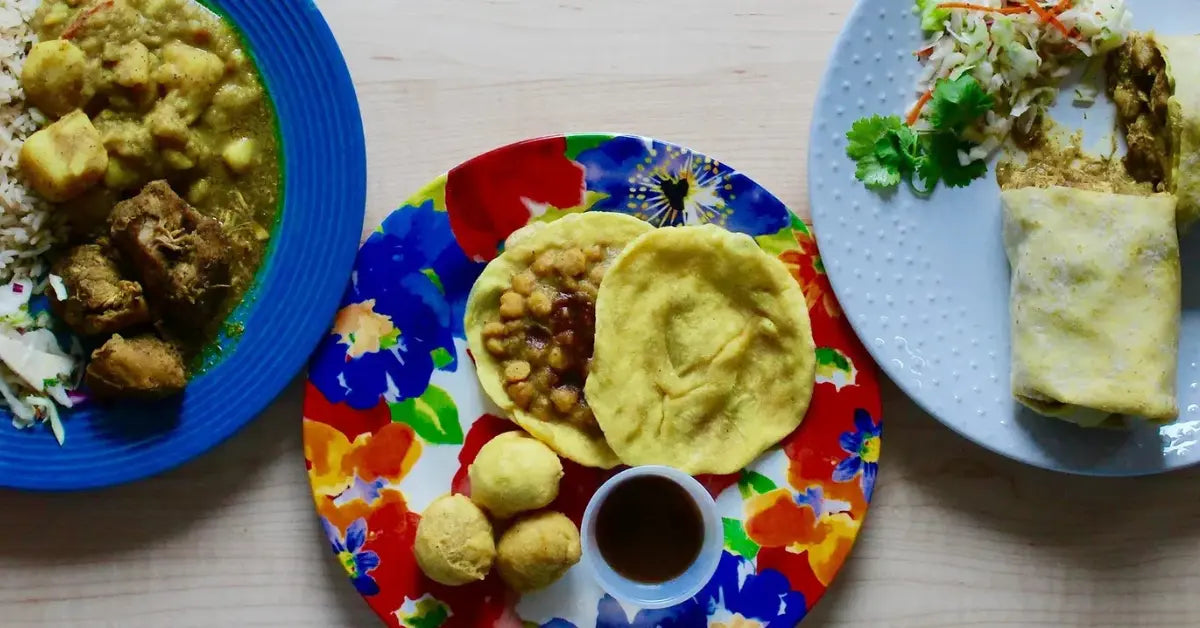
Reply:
x=886, y=151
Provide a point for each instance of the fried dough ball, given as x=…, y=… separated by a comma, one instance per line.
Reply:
x=513, y=473
x=454, y=543
x=537, y=550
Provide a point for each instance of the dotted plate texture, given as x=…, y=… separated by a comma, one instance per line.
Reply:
x=297, y=289
x=925, y=282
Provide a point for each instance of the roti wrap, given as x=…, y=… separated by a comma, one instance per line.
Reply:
x=1095, y=303
x=1182, y=55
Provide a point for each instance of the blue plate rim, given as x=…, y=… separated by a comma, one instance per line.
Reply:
x=285, y=39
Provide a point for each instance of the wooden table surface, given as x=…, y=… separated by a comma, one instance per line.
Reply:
x=957, y=537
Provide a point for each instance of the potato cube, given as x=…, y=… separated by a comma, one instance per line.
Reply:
x=176, y=160
x=133, y=65
x=55, y=77
x=166, y=124
x=64, y=159
x=120, y=176
x=191, y=74
x=239, y=155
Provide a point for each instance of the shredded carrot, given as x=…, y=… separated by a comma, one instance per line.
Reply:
x=915, y=113
x=1048, y=17
x=979, y=7
x=924, y=52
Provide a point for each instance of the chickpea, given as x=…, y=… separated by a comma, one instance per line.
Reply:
x=524, y=283
x=541, y=409
x=540, y=304
x=512, y=305
x=564, y=398
x=597, y=275
x=545, y=379
x=535, y=352
x=493, y=329
x=495, y=346
x=544, y=264
x=594, y=253
x=583, y=417
x=521, y=393
x=516, y=371
x=571, y=262
x=557, y=359
x=565, y=338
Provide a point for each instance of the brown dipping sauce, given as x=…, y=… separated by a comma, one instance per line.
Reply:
x=649, y=529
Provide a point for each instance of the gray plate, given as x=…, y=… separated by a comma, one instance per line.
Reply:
x=925, y=282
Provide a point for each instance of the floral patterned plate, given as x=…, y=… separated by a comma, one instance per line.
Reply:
x=393, y=413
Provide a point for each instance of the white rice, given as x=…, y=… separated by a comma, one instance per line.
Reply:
x=25, y=237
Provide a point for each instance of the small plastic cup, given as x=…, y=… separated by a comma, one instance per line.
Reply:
x=662, y=594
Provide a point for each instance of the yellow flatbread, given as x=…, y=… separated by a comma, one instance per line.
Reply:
x=704, y=352
x=609, y=231
x=1095, y=303
x=1182, y=55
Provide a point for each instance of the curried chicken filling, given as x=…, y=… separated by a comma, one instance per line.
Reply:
x=545, y=334
x=1140, y=88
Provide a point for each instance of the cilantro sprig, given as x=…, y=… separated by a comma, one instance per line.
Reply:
x=887, y=151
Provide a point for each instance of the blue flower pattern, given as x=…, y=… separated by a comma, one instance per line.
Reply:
x=865, y=429
x=407, y=268
x=673, y=186
x=349, y=550
x=735, y=589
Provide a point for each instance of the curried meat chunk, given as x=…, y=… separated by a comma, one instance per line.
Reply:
x=178, y=253
x=1140, y=88
x=98, y=300
x=142, y=368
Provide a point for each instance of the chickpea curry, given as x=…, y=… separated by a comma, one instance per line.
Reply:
x=160, y=157
x=544, y=338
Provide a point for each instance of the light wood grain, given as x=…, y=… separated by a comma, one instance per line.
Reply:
x=957, y=537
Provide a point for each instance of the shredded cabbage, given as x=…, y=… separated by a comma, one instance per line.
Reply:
x=931, y=16
x=1017, y=57
x=28, y=406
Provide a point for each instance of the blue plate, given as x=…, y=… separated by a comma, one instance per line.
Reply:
x=925, y=282
x=297, y=290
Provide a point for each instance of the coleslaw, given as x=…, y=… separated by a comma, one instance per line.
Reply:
x=1017, y=50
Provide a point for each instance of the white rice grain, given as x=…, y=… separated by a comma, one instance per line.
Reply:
x=25, y=234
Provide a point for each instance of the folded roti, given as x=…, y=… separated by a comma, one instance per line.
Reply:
x=1095, y=303
x=1182, y=56
x=542, y=246
x=704, y=352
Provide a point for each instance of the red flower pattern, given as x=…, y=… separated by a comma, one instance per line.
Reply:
x=488, y=197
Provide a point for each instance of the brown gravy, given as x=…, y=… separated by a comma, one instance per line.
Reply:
x=649, y=529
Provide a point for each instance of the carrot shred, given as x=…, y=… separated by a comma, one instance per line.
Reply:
x=924, y=52
x=1048, y=17
x=915, y=113
x=81, y=20
x=979, y=7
